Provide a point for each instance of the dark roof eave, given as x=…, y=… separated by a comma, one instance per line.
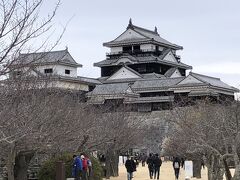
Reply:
x=160, y=62
x=71, y=64
x=121, y=95
x=233, y=89
x=69, y=79
x=119, y=43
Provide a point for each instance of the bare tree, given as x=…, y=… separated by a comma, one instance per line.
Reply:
x=22, y=29
x=118, y=130
x=211, y=130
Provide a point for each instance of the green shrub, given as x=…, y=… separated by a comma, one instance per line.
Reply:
x=48, y=169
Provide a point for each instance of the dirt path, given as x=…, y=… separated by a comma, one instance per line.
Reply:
x=166, y=173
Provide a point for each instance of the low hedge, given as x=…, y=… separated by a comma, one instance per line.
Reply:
x=48, y=169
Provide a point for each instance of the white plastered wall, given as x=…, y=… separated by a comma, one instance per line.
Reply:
x=116, y=49
x=147, y=47
x=59, y=70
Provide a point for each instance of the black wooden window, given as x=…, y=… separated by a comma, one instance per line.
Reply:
x=48, y=71
x=136, y=47
x=127, y=48
x=67, y=71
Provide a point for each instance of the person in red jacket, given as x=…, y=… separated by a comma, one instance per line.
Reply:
x=85, y=167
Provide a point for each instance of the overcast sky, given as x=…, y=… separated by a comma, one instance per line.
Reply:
x=209, y=31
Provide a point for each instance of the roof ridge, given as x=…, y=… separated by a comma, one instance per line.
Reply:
x=144, y=29
x=204, y=75
x=167, y=78
x=44, y=52
x=132, y=70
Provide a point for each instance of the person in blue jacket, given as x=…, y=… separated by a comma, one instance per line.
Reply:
x=77, y=167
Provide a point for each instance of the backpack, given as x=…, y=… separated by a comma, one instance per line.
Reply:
x=176, y=165
x=85, y=164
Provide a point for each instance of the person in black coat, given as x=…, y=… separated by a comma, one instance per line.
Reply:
x=150, y=165
x=157, y=162
x=131, y=167
x=176, y=166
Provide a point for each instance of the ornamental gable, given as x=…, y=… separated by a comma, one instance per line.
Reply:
x=129, y=34
x=124, y=73
x=176, y=73
x=170, y=57
x=123, y=61
x=190, y=80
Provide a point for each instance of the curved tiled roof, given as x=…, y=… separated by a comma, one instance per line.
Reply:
x=142, y=59
x=212, y=81
x=157, y=83
x=148, y=35
x=111, y=89
x=43, y=58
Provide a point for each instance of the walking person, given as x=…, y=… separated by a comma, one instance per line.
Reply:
x=176, y=166
x=150, y=165
x=157, y=162
x=182, y=162
x=77, y=167
x=143, y=159
x=85, y=168
x=89, y=164
x=131, y=167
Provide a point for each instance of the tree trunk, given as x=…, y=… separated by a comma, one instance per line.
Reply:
x=197, y=169
x=237, y=164
x=115, y=164
x=11, y=161
x=21, y=168
x=112, y=158
x=215, y=170
x=228, y=174
x=21, y=165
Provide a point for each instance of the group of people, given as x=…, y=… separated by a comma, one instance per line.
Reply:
x=154, y=163
x=81, y=167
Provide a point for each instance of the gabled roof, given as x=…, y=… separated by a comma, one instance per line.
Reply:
x=206, y=80
x=145, y=36
x=164, y=53
x=127, y=71
x=43, y=58
x=213, y=81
